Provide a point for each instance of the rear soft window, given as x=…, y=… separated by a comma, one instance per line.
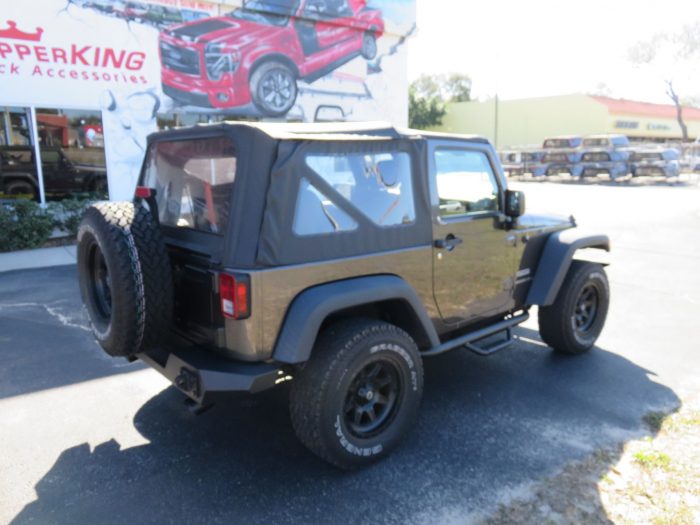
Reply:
x=193, y=181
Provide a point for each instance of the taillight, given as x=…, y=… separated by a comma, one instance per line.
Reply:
x=142, y=192
x=235, y=296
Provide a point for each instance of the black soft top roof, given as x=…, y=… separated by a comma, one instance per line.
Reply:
x=272, y=157
x=315, y=131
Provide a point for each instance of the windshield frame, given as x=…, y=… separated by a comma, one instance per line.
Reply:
x=265, y=12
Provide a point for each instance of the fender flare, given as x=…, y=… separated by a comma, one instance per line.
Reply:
x=555, y=261
x=312, y=306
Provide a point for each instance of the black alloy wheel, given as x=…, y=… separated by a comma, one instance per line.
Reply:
x=372, y=399
x=358, y=395
x=573, y=322
x=586, y=309
x=100, y=283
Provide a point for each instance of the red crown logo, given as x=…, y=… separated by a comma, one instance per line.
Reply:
x=18, y=34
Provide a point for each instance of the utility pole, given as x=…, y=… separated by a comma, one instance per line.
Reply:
x=495, y=122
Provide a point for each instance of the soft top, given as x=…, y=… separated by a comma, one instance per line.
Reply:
x=272, y=159
x=316, y=131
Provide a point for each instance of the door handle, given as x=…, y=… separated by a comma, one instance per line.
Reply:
x=448, y=243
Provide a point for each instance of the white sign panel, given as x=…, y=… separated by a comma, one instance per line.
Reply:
x=282, y=59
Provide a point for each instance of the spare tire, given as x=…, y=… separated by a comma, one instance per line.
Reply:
x=125, y=277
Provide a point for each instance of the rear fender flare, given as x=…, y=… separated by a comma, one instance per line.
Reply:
x=312, y=307
x=555, y=261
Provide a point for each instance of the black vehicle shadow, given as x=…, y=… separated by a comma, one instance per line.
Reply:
x=488, y=428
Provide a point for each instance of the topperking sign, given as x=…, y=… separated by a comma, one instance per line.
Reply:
x=341, y=60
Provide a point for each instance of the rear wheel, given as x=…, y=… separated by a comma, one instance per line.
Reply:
x=273, y=87
x=125, y=277
x=20, y=188
x=369, y=45
x=359, y=394
x=572, y=324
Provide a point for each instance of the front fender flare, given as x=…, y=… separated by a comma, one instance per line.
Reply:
x=555, y=261
x=312, y=306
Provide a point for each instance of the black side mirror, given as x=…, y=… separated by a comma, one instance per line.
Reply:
x=515, y=203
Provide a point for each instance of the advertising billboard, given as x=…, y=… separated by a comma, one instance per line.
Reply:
x=301, y=60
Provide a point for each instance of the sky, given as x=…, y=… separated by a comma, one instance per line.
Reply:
x=531, y=48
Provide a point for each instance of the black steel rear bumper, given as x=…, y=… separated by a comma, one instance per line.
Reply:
x=203, y=375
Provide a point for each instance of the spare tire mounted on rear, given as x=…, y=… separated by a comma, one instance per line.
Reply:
x=125, y=277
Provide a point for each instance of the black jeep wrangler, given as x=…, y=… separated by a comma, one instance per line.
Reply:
x=336, y=257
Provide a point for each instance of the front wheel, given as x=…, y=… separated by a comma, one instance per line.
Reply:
x=273, y=87
x=359, y=394
x=572, y=324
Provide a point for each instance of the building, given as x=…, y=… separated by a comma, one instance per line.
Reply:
x=509, y=123
x=85, y=81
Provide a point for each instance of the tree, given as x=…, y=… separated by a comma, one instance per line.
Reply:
x=673, y=54
x=457, y=87
x=424, y=112
x=428, y=94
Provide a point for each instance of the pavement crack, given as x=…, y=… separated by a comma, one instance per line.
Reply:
x=52, y=310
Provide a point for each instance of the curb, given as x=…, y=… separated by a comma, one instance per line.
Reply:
x=40, y=258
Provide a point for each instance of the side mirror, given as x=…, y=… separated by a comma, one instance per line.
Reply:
x=515, y=203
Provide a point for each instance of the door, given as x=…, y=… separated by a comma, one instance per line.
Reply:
x=323, y=25
x=473, y=255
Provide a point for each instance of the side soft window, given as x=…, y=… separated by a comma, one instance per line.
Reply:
x=466, y=184
x=315, y=213
x=378, y=185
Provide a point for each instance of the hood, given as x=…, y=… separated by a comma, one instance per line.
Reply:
x=222, y=29
x=546, y=221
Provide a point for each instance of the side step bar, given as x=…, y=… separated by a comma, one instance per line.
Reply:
x=469, y=339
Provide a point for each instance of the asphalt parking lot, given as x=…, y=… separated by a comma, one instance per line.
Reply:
x=88, y=439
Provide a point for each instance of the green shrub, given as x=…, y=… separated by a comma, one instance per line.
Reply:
x=67, y=214
x=23, y=225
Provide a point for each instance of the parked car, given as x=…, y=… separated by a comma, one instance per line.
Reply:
x=133, y=11
x=62, y=176
x=257, y=53
x=605, y=154
x=336, y=257
x=163, y=16
x=106, y=6
x=520, y=162
x=561, y=155
x=655, y=162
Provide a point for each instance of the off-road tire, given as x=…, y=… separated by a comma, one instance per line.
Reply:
x=273, y=75
x=125, y=277
x=20, y=187
x=323, y=390
x=558, y=322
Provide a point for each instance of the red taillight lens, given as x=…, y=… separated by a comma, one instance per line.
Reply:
x=235, y=296
x=142, y=192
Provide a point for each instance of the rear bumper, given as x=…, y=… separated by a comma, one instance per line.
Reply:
x=203, y=375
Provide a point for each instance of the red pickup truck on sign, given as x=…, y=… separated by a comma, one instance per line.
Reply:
x=258, y=52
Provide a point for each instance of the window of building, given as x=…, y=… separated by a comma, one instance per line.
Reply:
x=378, y=185
x=465, y=182
x=18, y=175
x=72, y=153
